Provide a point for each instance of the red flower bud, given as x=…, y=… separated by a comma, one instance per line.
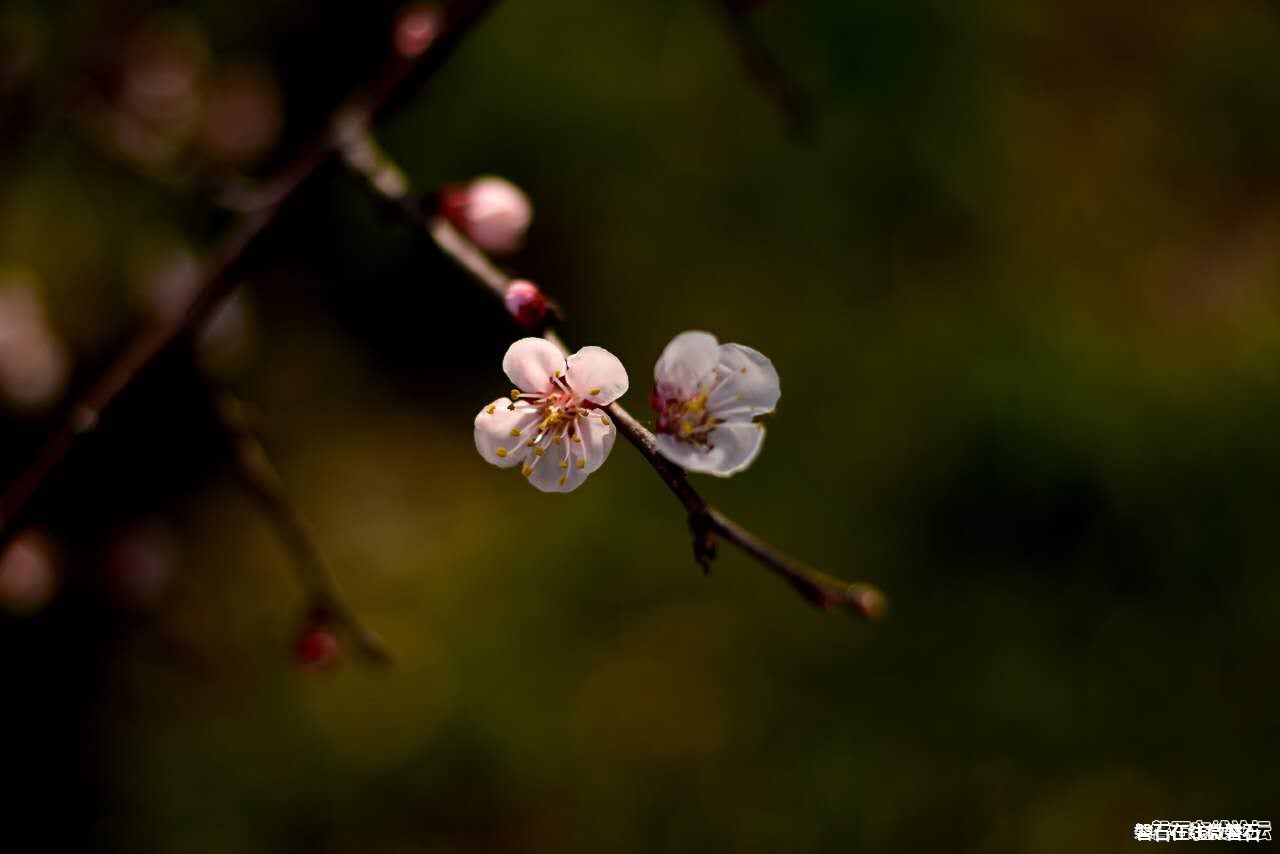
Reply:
x=526, y=304
x=316, y=648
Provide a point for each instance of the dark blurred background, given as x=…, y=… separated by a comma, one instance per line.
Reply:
x=1019, y=278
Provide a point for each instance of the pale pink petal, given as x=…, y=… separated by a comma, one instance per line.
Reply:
x=502, y=433
x=530, y=363
x=685, y=363
x=597, y=375
x=730, y=449
x=597, y=434
x=747, y=384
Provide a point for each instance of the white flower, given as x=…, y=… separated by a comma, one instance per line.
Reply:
x=708, y=397
x=492, y=211
x=551, y=425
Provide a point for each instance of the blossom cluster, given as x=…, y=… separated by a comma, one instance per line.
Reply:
x=709, y=399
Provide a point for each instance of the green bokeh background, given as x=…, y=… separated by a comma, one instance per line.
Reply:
x=1019, y=280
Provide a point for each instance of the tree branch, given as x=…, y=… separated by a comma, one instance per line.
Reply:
x=226, y=261
x=260, y=478
x=387, y=182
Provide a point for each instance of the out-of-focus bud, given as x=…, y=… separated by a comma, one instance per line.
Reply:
x=526, y=304
x=242, y=115
x=417, y=26
x=316, y=648
x=492, y=211
x=34, y=363
x=29, y=573
x=165, y=63
x=140, y=563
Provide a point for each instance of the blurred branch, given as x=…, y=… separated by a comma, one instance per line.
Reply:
x=707, y=523
x=763, y=68
x=407, y=69
x=261, y=479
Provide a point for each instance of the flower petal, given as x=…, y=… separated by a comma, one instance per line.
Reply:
x=731, y=448
x=494, y=426
x=531, y=362
x=596, y=375
x=685, y=363
x=748, y=382
x=597, y=433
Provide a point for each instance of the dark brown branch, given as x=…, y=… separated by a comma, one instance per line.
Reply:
x=763, y=68
x=327, y=606
x=706, y=522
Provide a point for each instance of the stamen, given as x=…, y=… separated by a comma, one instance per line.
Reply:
x=527, y=470
x=559, y=440
x=686, y=429
x=501, y=452
x=595, y=390
x=563, y=478
x=577, y=438
x=564, y=464
x=539, y=451
x=491, y=408
x=515, y=431
x=582, y=462
x=533, y=441
x=515, y=394
x=604, y=419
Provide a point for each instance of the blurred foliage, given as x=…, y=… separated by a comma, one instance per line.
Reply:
x=1020, y=283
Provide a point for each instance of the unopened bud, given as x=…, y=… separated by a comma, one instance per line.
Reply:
x=316, y=648
x=417, y=26
x=491, y=211
x=526, y=304
x=29, y=573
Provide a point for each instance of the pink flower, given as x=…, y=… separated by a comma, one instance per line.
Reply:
x=551, y=425
x=708, y=397
x=491, y=211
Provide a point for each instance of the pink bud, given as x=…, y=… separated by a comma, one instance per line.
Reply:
x=28, y=573
x=526, y=304
x=316, y=648
x=417, y=27
x=492, y=211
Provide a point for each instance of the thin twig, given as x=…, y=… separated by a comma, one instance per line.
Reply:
x=262, y=480
x=385, y=179
x=763, y=68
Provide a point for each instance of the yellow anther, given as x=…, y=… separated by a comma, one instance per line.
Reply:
x=491, y=408
x=564, y=464
x=604, y=419
x=595, y=390
x=559, y=373
x=559, y=440
x=711, y=422
x=582, y=463
x=742, y=370
x=697, y=403
x=539, y=451
x=577, y=438
x=563, y=478
x=527, y=470
x=686, y=429
x=531, y=442
x=515, y=431
x=501, y=452
x=515, y=394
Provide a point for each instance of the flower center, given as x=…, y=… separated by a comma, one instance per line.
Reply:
x=684, y=418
